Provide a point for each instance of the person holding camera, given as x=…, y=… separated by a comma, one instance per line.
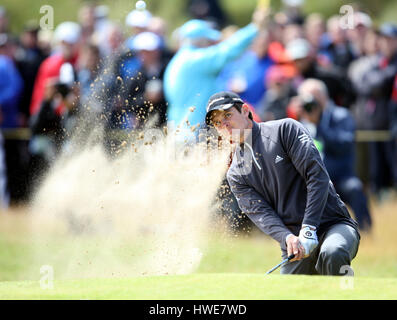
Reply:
x=67, y=37
x=334, y=129
x=49, y=126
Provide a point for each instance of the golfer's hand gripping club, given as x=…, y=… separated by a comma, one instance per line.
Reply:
x=294, y=247
x=308, y=239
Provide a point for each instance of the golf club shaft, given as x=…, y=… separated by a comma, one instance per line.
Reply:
x=281, y=263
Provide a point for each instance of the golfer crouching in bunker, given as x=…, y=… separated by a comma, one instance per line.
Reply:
x=281, y=183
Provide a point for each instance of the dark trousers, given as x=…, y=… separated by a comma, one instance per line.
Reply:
x=351, y=192
x=38, y=167
x=382, y=165
x=17, y=162
x=230, y=211
x=336, y=249
x=395, y=162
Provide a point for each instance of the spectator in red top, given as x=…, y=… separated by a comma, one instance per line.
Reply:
x=67, y=35
x=280, y=91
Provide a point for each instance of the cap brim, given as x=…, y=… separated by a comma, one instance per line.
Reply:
x=298, y=56
x=225, y=106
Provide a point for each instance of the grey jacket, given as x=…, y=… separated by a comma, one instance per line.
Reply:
x=280, y=181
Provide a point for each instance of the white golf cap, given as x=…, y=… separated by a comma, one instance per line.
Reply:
x=138, y=18
x=298, y=49
x=66, y=74
x=67, y=31
x=361, y=18
x=148, y=41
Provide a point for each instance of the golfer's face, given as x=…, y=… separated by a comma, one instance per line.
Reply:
x=225, y=121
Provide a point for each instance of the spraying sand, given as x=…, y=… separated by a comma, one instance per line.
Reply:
x=145, y=212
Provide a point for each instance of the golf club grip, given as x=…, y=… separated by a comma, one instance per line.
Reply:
x=291, y=257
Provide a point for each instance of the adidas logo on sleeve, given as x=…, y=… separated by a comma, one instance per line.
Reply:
x=304, y=138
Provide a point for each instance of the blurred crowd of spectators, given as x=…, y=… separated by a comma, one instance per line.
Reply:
x=123, y=73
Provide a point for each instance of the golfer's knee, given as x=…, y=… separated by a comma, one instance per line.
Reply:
x=332, y=260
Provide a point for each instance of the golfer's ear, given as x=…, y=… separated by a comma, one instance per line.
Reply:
x=245, y=108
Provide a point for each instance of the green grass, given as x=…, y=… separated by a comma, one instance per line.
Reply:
x=207, y=286
x=18, y=260
x=231, y=268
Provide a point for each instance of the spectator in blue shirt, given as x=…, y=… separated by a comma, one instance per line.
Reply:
x=190, y=77
x=11, y=86
x=246, y=75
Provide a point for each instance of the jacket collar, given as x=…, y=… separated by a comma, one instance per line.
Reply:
x=255, y=129
x=253, y=134
x=249, y=143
